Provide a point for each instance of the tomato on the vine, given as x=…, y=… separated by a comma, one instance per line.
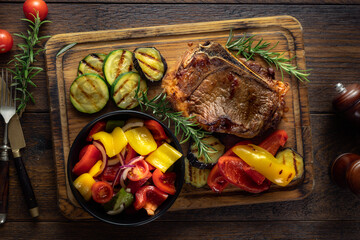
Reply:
x=32, y=7
x=6, y=41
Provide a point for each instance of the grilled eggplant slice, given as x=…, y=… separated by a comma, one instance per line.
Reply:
x=290, y=157
x=195, y=176
x=124, y=88
x=89, y=93
x=150, y=63
x=92, y=63
x=117, y=62
x=216, y=152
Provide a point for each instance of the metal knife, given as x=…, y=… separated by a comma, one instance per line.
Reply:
x=17, y=141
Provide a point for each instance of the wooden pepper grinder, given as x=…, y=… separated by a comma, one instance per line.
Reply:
x=345, y=172
x=347, y=102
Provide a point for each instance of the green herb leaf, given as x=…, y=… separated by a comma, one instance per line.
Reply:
x=64, y=49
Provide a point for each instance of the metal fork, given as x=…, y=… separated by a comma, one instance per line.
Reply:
x=7, y=111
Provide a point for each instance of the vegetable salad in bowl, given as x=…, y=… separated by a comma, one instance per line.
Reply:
x=126, y=168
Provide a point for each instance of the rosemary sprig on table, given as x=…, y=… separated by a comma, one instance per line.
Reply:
x=24, y=71
x=245, y=47
x=159, y=107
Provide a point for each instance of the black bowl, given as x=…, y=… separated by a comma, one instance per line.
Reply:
x=95, y=209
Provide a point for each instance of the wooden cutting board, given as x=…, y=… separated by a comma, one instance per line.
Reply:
x=173, y=41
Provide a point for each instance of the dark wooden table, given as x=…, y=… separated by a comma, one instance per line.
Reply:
x=331, y=39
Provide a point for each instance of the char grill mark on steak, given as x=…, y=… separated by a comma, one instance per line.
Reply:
x=223, y=93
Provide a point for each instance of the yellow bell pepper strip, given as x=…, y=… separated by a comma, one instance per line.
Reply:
x=141, y=140
x=96, y=169
x=83, y=184
x=163, y=157
x=265, y=163
x=113, y=142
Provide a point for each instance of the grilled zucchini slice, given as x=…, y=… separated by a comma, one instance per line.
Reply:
x=117, y=62
x=92, y=63
x=200, y=162
x=149, y=63
x=290, y=157
x=195, y=176
x=89, y=93
x=124, y=88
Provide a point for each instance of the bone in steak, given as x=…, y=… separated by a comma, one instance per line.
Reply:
x=224, y=93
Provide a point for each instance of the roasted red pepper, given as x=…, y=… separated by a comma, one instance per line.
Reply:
x=90, y=157
x=232, y=168
x=109, y=173
x=274, y=141
x=216, y=180
x=156, y=130
x=165, y=181
x=130, y=154
x=149, y=198
x=99, y=126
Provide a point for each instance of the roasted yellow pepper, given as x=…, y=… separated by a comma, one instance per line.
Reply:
x=95, y=170
x=113, y=142
x=83, y=184
x=265, y=163
x=141, y=140
x=163, y=157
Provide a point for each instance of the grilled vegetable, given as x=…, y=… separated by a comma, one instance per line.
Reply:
x=290, y=157
x=149, y=63
x=117, y=62
x=124, y=88
x=195, y=176
x=216, y=152
x=89, y=93
x=92, y=63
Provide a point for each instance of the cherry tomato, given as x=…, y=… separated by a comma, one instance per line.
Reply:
x=138, y=172
x=101, y=192
x=149, y=198
x=98, y=127
x=6, y=41
x=165, y=181
x=32, y=7
x=232, y=169
x=156, y=130
x=89, y=158
x=136, y=185
x=216, y=181
x=273, y=142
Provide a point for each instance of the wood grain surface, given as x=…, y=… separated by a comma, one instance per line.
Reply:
x=331, y=40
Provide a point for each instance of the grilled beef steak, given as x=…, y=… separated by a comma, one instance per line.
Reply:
x=224, y=93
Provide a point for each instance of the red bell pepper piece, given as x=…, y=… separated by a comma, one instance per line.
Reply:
x=232, y=169
x=135, y=185
x=90, y=157
x=273, y=142
x=98, y=127
x=109, y=173
x=165, y=181
x=130, y=154
x=156, y=130
x=216, y=181
x=149, y=198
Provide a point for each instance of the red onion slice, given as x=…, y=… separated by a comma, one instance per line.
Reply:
x=113, y=161
x=103, y=153
x=117, y=211
x=118, y=173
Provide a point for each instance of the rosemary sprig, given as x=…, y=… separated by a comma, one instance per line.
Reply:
x=24, y=71
x=159, y=107
x=245, y=47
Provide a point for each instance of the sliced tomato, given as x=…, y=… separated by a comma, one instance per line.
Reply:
x=109, y=173
x=232, y=169
x=156, y=130
x=164, y=181
x=136, y=185
x=101, y=192
x=89, y=158
x=98, y=127
x=273, y=142
x=130, y=153
x=138, y=172
x=216, y=181
x=149, y=198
